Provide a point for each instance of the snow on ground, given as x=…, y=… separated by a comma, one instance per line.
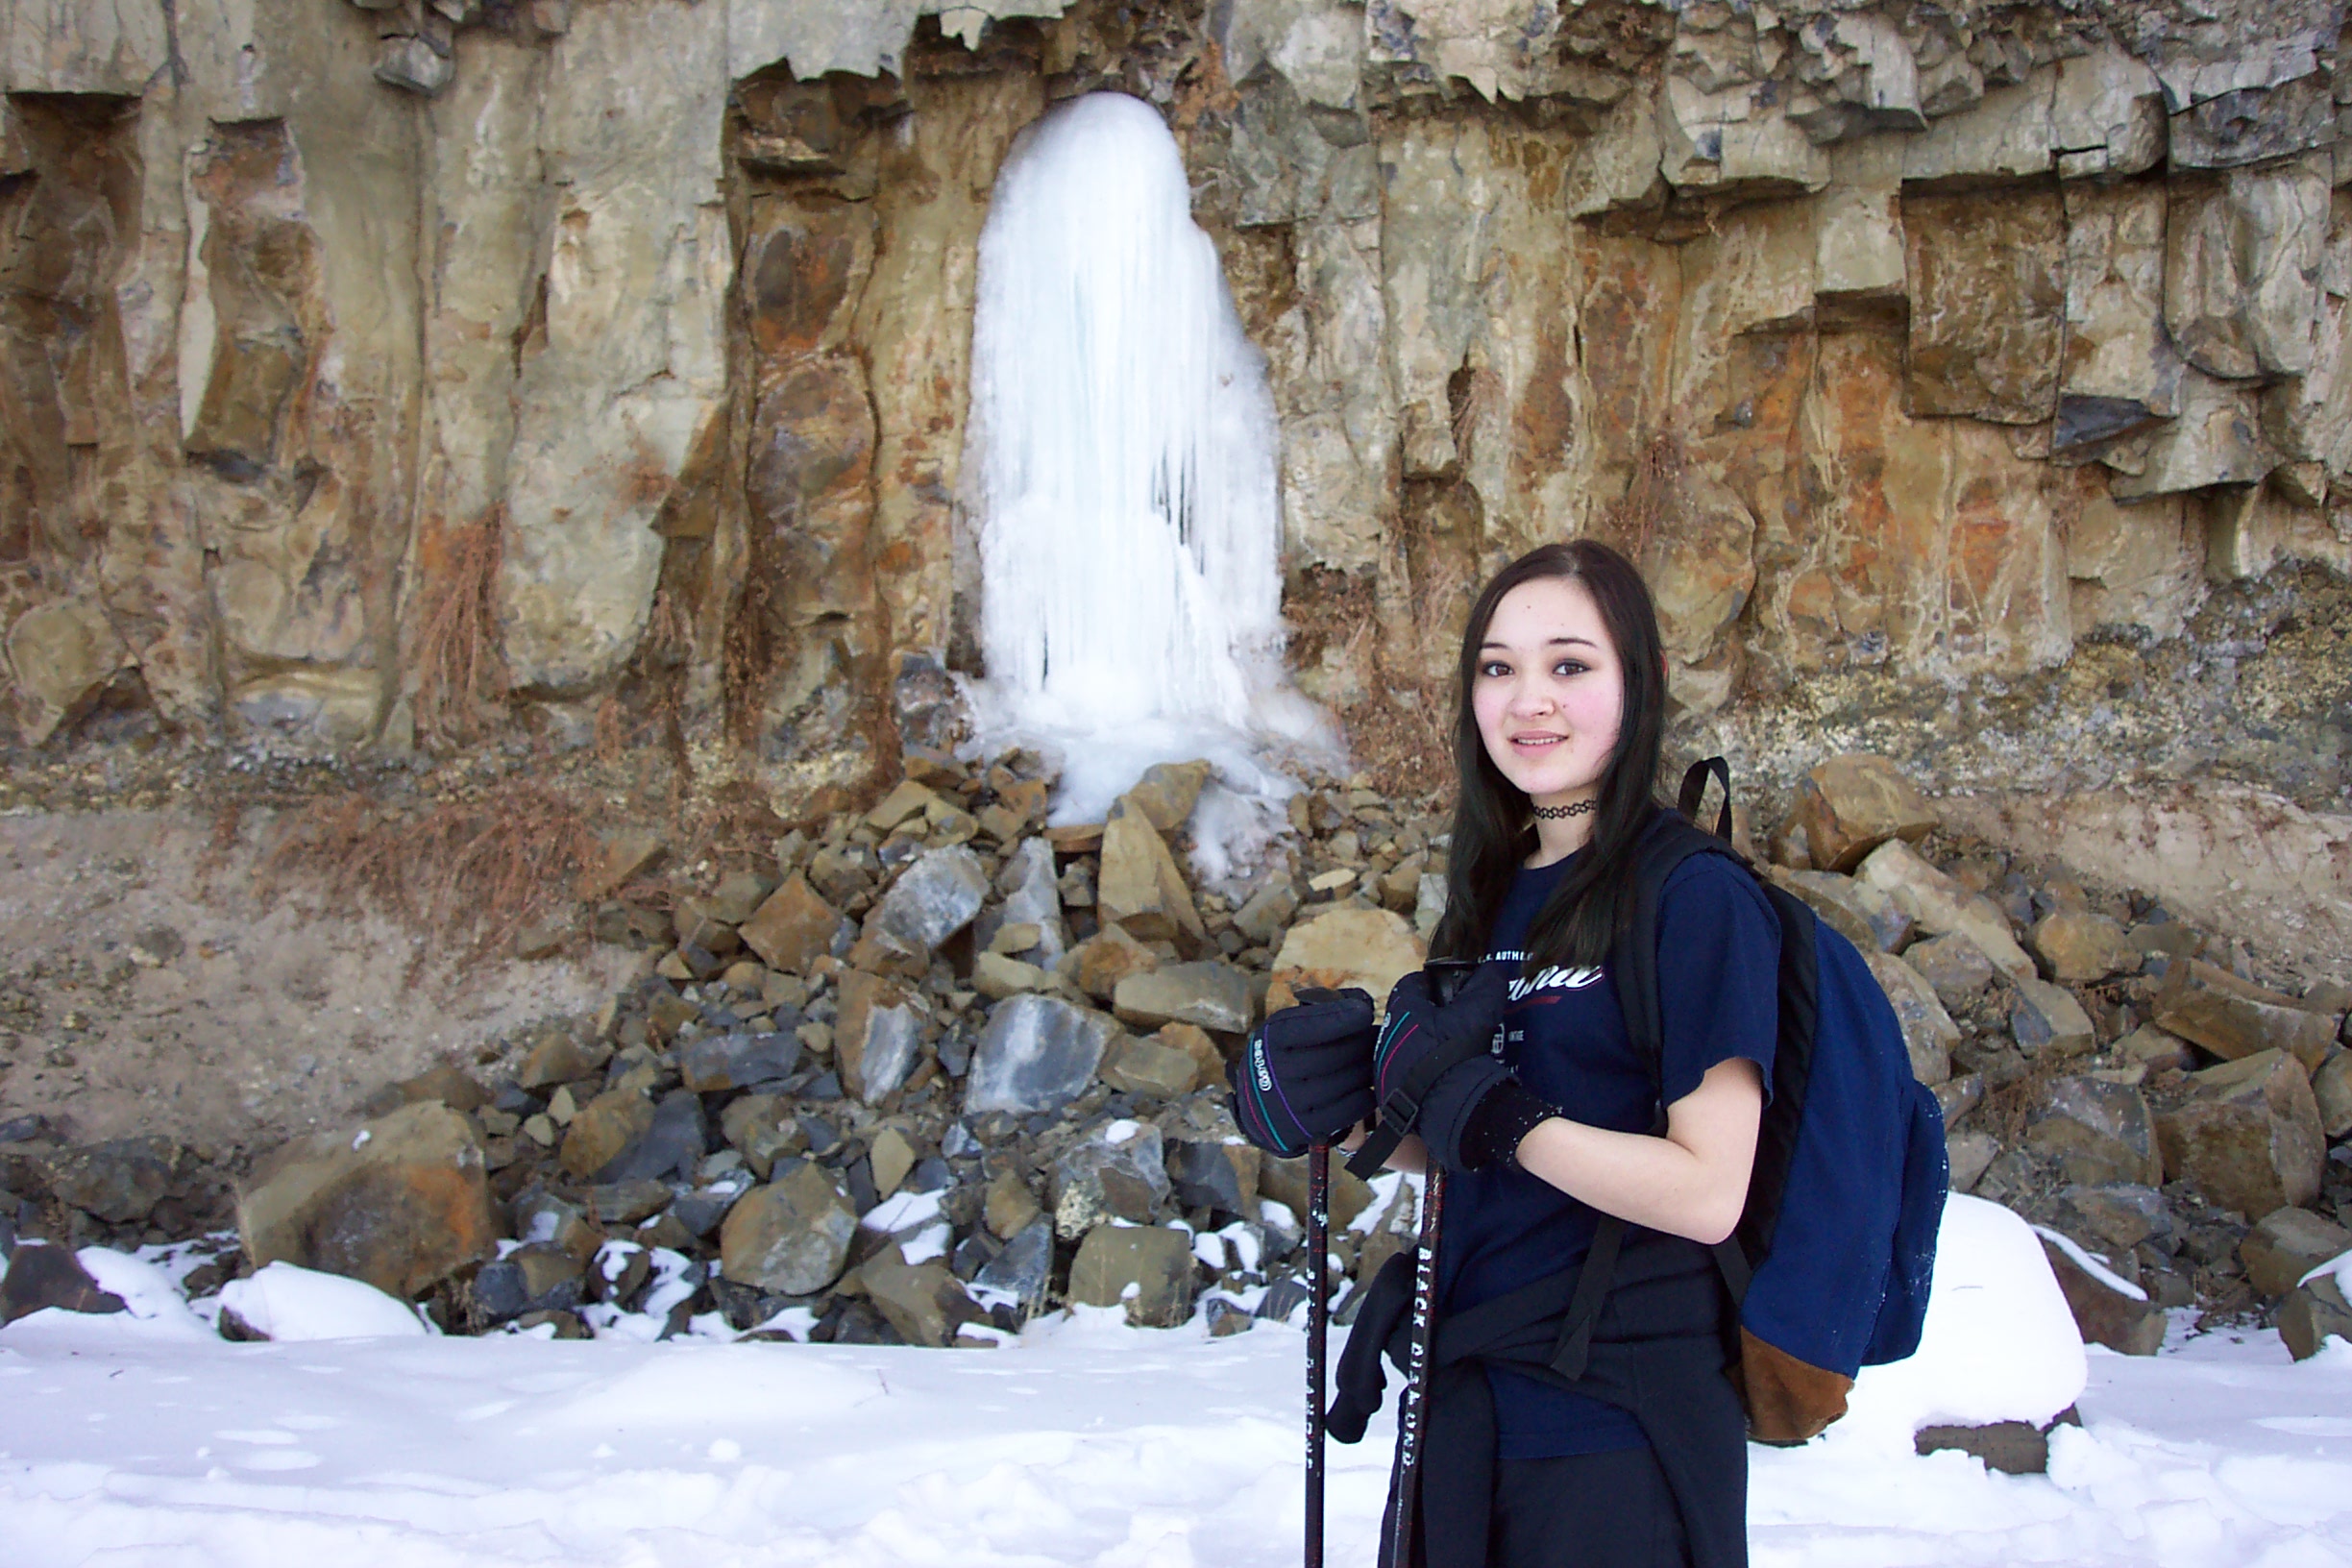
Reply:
x=144, y=1439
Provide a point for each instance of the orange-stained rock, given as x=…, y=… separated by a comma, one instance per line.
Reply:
x=793, y=927
x=400, y=1202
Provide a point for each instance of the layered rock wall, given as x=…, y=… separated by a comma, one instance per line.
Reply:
x=1969, y=378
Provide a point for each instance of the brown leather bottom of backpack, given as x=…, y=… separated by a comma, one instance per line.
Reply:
x=1788, y=1400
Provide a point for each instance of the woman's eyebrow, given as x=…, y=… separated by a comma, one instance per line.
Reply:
x=1553, y=642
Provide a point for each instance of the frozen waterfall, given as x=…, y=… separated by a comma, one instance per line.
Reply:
x=1121, y=468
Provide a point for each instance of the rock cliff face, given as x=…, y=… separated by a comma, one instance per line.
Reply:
x=1969, y=377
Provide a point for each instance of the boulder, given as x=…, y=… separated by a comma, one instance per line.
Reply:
x=1372, y=948
x=2248, y=1135
x=1209, y=995
x=1037, y=1053
x=538, y=1277
x=2234, y=1018
x=559, y=1059
x=603, y=1128
x=2099, y=1133
x=2288, y=1243
x=2152, y=1047
x=1098, y=965
x=1168, y=793
x=1032, y=897
x=403, y=1203
x=877, y=1035
x=924, y=1302
x=2116, y=1215
x=2312, y=1314
x=909, y=799
x=1928, y=1031
x=1009, y=1206
x=118, y=1182
x=1863, y=915
x=1954, y=968
x=1266, y=914
x=1218, y=1176
x=791, y=1236
x=1851, y=804
x=1149, y=1069
x=894, y=1158
x=1117, y=1172
x=2080, y=946
x=1018, y=1277
x=1145, y=1269
x=2109, y=1310
x=1194, y=1043
x=41, y=1274
x=719, y=1064
x=2332, y=1093
x=933, y=899
x=1939, y=905
x=2048, y=1021
x=1969, y=1152
x=1139, y=886
x=793, y=927
x=995, y=976
x=670, y=1148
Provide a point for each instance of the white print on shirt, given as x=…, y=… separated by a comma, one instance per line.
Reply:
x=1552, y=978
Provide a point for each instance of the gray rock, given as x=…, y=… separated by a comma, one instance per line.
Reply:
x=1018, y=1276
x=2287, y=1244
x=1928, y=1031
x=701, y=1211
x=1864, y=915
x=413, y=65
x=625, y=1203
x=719, y=1063
x=2116, y=1215
x=1211, y=995
x=1217, y=1176
x=1970, y=1153
x=1955, y=967
x=1266, y=916
x=2099, y=1133
x=670, y=1148
x=2046, y=1020
x=933, y=899
x=2016, y=1448
x=924, y=1302
x=1146, y=1268
x=1032, y=897
x=2122, y=1319
x=42, y=1274
x=1038, y=1054
x=791, y=1236
x=2311, y=1315
x=536, y=1278
x=118, y=1182
x=2248, y=1137
x=1117, y=1172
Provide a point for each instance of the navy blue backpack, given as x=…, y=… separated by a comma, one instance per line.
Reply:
x=1834, y=1252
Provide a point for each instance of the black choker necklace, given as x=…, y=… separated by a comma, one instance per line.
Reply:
x=1552, y=814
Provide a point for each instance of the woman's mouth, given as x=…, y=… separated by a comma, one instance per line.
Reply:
x=1537, y=741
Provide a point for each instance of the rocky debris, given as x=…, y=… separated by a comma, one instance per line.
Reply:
x=118, y=1182
x=2312, y=1313
x=2233, y=1018
x=1851, y=804
x=2015, y=1448
x=2248, y=1135
x=1139, y=886
x=916, y=1139
x=403, y=1201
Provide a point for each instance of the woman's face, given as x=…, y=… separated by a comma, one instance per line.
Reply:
x=1549, y=692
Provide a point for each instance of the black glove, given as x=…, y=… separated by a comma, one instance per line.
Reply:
x=1305, y=1075
x=1421, y=1038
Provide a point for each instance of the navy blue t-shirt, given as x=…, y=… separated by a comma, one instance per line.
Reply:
x=1719, y=955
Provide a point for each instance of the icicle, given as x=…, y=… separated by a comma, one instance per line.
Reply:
x=1125, y=440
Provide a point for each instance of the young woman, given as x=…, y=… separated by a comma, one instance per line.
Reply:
x=1629, y=1452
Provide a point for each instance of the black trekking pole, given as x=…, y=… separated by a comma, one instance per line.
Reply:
x=1413, y=1401
x=1318, y=1334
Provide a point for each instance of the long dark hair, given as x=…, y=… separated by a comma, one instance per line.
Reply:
x=1494, y=822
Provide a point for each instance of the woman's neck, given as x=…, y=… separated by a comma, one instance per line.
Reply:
x=1556, y=838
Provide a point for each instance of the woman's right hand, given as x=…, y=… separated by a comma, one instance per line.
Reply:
x=1305, y=1075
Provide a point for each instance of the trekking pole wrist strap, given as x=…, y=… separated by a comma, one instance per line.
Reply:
x=1402, y=1107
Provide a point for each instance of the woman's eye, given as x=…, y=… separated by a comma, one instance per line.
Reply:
x=1569, y=667
x=1494, y=668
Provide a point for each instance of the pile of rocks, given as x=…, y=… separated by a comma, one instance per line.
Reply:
x=936, y=1066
